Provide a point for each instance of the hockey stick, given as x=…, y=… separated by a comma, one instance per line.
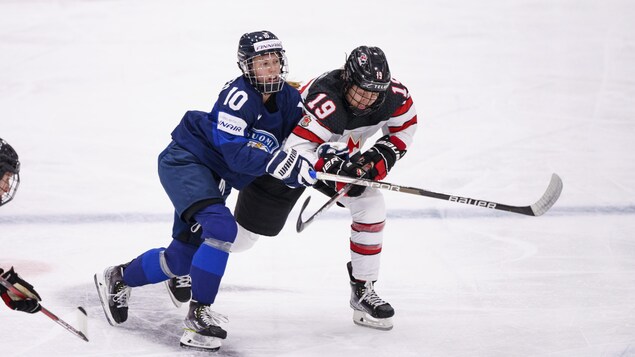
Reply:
x=300, y=224
x=46, y=312
x=541, y=206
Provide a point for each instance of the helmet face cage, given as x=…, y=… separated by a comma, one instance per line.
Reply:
x=366, y=70
x=357, y=99
x=262, y=83
x=10, y=183
x=9, y=172
x=258, y=69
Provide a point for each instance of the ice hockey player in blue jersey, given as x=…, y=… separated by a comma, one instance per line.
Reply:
x=211, y=153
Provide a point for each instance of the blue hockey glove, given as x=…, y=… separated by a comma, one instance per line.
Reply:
x=292, y=168
x=333, y=148
x=30, y=304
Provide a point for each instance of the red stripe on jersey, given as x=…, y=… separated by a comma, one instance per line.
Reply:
x=398, y=143
x=307, y=135
x=404, y=108
x=304, y=87
x=365, y=249
x=368, y=227
x=394, y=129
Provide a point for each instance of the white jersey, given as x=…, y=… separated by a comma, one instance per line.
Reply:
x=328, y=119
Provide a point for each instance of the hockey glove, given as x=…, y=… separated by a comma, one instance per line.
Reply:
x=30, y=304
x=382, y=156
x=291, y=168
x=334, y=164
x=333, y=148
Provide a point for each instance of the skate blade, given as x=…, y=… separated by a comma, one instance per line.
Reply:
x=175, y=301
x=195, y=341
x=362, y=318
x=100, y=284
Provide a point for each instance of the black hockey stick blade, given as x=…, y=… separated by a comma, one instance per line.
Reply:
x=541, y=206
x=43, y=310
x=301, y=225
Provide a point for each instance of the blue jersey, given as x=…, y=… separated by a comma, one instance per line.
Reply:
x=237, y=138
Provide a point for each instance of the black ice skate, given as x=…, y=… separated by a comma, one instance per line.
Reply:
x=201, y=328
x=180, y=289
x=369, y=310
x=113, y=294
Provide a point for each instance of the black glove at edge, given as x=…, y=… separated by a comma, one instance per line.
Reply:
x=30, y=304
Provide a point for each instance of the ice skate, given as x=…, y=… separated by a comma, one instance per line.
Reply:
x=369, y=309
x=180, y=289
x=113, y=294
x=202, y=330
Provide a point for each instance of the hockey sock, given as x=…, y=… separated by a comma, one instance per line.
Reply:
x=145, y=269
x=178, y=257
x=208, y=267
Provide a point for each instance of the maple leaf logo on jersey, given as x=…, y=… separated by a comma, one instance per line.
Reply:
x=352, y=144
x=305, y=121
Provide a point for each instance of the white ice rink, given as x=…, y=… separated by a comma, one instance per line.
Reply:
x=507, y=91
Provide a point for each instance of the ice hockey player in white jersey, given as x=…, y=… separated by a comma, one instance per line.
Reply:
x=344, y=108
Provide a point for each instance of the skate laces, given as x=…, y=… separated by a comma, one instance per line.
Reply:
x=184, y=281
x=210, y=317
x=370, y=296
x=122, y=294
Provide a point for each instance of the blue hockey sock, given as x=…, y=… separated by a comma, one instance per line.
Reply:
x=208, y=267
x=178, y=257
x=145, y=269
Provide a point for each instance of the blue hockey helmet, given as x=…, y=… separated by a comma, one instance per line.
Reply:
x=254, y=44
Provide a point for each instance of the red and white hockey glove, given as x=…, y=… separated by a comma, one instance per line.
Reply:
x=30, y=305
x=382, y=156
